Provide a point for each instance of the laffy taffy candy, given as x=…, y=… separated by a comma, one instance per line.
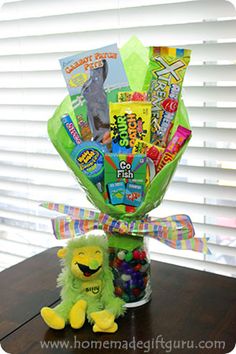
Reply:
x=129, y=121
x=164, y=77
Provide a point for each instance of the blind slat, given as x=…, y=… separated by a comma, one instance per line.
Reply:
x=222, y=269
x=197, y=115
x=168, y=35
x=112, y=19
x=53, y=79
x=33, y=172
x=26, y=9
x=201, y=135
x=218, y=234
x=220, y=192
x=50, y=61
x=47, y=96
x=224, y=235
x=178, y=191
x=221, y=216
x=47, y=161
x=43, y=146
x=12, y=218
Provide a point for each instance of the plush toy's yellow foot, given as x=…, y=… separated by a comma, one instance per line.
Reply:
x=103, y=319
x=52, y=319
x=111, y=329
x=77, y=314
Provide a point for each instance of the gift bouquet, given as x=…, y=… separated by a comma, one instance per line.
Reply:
x=122, y=131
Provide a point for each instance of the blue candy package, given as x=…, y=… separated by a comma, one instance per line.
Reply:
x=89, y=156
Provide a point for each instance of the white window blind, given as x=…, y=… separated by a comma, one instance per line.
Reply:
x=35, y=34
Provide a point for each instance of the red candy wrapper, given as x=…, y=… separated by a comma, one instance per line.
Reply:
x=173, y=147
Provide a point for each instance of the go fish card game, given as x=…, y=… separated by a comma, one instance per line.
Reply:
x=125, y=176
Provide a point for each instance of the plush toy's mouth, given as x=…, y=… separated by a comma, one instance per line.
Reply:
x=86, y=270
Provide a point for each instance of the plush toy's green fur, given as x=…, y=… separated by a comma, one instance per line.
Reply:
x=72, y=286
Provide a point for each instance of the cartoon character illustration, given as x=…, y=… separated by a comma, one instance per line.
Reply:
x=97, y=106
x=118, y=194
x=87, y=287
x=133, y=196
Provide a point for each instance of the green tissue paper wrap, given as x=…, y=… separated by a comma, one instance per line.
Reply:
x=154, y=192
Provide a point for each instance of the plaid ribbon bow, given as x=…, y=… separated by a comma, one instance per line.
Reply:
x=175, y=231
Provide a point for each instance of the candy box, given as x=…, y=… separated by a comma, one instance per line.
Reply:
x=128, y=169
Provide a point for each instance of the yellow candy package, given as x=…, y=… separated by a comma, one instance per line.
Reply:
x=129, y=121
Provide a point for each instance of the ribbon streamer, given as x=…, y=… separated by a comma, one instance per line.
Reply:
x=175, y=231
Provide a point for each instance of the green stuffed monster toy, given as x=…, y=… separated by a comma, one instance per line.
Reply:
x=87, y=288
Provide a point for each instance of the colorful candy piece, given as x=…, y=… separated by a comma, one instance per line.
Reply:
x=165, y=74
x=121, y=255
x=142, y=255
x=129, y=121
x=118, y=291
x=89, y=156
x=136, y=254
x=125, y=277
x=137, y=267
x=128, y=257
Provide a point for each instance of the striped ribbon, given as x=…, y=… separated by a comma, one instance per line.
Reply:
x=175, y=231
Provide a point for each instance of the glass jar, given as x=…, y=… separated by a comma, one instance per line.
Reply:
x=131, y=270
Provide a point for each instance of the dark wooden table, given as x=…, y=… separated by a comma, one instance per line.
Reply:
x=189, y=309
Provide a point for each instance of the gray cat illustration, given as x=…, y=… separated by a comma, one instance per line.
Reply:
x=97, y=106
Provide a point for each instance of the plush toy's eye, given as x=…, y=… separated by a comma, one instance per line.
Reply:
x=81, y=253
x=98, y=252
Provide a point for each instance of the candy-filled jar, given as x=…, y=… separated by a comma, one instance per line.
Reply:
x=131, y=270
